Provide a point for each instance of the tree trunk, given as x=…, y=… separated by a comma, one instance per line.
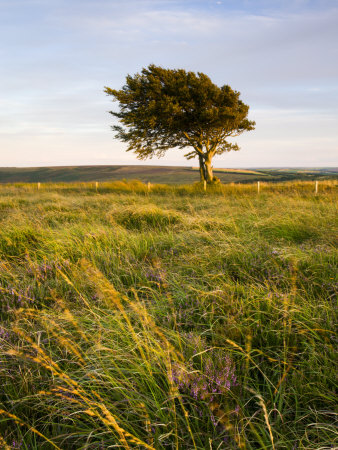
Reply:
x=203, y=174
x=208, y=171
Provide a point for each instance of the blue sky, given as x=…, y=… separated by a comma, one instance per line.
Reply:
x=57, y=55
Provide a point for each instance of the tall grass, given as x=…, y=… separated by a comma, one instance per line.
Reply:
x=137, y=187
x=167, y=319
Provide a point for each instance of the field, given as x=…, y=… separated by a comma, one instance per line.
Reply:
x=158, y=174
x=169, y=319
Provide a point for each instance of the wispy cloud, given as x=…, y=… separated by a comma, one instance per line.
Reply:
x=59, y=54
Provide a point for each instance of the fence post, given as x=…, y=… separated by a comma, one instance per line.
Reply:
x=258, y=186
x=204, y=185
x=39, y=185
x=316, y=187
x=96, y=185
x=149, y=186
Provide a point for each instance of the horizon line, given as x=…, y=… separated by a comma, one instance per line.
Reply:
x=169, y=165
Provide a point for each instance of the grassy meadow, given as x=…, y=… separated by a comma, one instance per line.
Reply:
x=169, y=319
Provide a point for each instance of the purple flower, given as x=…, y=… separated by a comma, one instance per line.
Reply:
x=216, y=377
x=4, y=334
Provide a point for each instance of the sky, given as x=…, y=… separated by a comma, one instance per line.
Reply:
x=56, y=56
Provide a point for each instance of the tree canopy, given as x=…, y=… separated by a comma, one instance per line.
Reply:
x=160, y=109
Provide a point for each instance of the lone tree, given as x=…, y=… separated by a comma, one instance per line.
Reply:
x=162, y=109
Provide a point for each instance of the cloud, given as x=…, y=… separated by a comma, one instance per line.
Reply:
x=273, y=48
x=59, y=54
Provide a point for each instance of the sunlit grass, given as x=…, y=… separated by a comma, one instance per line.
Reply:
x=172, y=318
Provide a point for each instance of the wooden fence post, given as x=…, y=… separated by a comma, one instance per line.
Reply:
x=39, y=185
x=204, y=185
x=96, y=185
x=149, y=186
x=258, y=186
x=316, y=187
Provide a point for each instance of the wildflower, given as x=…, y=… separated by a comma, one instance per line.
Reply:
x=205, y=385
x=4, y=334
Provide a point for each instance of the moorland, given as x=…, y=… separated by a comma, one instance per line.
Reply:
x=159, y=174
x=169, y=319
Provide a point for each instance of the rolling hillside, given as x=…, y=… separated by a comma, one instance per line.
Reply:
x=157, y=174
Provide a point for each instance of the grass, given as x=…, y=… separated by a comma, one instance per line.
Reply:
x=167, y=319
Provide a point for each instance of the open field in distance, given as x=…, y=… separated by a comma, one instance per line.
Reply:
x=158, y=174
x=170, y=319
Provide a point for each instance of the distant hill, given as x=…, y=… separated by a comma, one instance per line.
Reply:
x=158, y=174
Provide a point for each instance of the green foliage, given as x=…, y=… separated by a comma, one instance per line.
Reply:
x=169, y=319
x=162, y=109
